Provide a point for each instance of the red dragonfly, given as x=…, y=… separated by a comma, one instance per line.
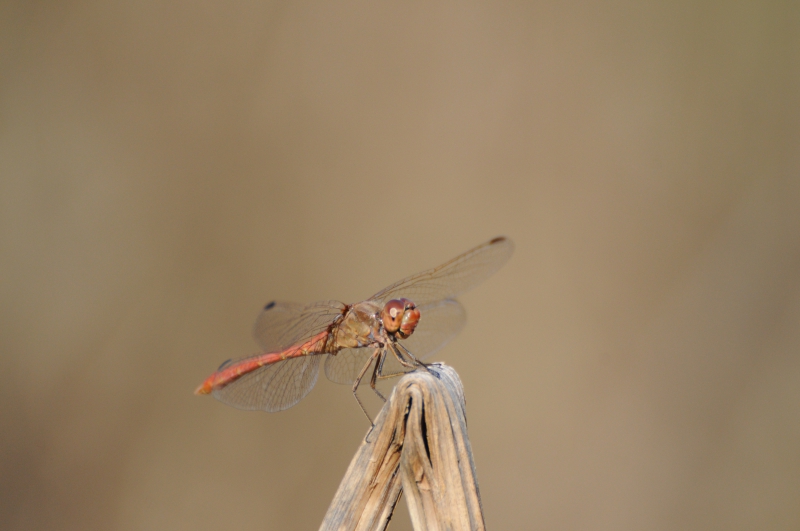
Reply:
x=392, y=332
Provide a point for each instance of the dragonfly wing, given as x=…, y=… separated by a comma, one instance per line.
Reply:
x=273, y=387
x=451, y=278
x=344, y=366
x=439, y=323
x=283, y=324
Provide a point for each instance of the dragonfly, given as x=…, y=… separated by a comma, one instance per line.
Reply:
x=391, y=333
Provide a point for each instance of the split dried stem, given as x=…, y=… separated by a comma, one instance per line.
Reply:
x=419, y=446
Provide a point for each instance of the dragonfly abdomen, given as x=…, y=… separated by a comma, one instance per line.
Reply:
x=229, y=374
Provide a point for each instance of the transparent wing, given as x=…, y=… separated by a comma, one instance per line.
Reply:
x=451, y=278
x=272, y=387
x=344, y=366
x=283, y=324
x=439, y=323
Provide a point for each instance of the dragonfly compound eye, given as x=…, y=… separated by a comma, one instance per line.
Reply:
x=392, y=315
x=410, y=319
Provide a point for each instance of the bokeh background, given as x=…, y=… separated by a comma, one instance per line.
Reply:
x=166, y=168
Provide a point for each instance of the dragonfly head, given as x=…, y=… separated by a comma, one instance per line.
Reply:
x=400, y=316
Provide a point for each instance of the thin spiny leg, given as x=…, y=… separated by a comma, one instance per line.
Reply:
x=378, y=368
x=410, y=355
x=402, y=360
x=358, y=381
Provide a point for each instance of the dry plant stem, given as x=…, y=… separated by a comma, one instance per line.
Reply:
x=419, y=445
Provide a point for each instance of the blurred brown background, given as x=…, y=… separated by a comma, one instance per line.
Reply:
x=167, y=168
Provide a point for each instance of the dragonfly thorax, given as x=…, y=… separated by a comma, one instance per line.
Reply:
x=360, y=326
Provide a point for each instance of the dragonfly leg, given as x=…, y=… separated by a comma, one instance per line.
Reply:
x=401, y=359
x=414, y=358
x=416, y=363
x=393, y=375
x=375, y=373
x=358, y=381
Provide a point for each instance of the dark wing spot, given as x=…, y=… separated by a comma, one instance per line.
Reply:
x=224, y=363
x=497, y=240
x=269, y=305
